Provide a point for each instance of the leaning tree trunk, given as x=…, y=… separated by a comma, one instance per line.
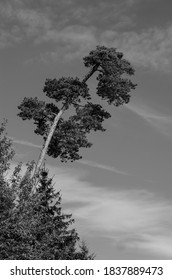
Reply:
x=47, y=142
x=52, y=129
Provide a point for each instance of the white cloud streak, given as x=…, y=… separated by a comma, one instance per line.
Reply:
x=84, y=162
x=159, y=244
x=162, y=124
x=25, y=143
x=102, y=166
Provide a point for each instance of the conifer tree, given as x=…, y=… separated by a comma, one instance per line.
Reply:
x=37, y=227
x=64, y=137
x=32, y=224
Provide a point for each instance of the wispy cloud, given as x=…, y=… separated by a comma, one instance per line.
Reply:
x=131, y=218
x=160, y=244
x=71, y=42
x=73, y=28
x=160, y=122
x=8, y=38
x=84, y=162
x=25, y=143
x=148, y=48
x=19, y=22
x=103, y=166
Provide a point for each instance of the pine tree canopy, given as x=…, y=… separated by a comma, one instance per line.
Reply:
x=113, y=86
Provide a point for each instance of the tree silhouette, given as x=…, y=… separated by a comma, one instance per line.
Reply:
x=63, y=138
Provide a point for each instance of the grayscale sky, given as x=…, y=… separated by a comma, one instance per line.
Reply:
x=120, y=193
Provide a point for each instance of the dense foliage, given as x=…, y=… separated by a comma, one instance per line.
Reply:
x=71, y=134
x=32, y=224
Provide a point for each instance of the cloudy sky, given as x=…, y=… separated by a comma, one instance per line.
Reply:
x=120, y=193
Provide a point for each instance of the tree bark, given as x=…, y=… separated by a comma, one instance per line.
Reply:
x=47, y=142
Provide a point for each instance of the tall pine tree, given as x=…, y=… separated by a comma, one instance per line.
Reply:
x=63, y=138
